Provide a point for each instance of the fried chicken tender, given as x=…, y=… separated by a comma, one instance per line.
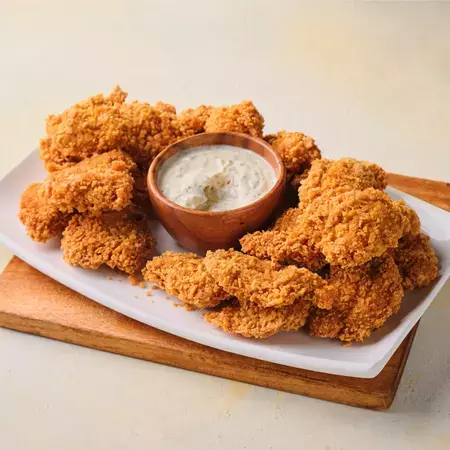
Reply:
x=416, y=260
x=242, y=118
x=250, y=320
x=193, y=120
x=91, y=126
x=363, y=298
x=251, y=280
x=283, y=247
x=354, y=227
x=288, y=220
x=42, y=220
x=412, y=219
x=152, y=129
x=100, y=124
x=297, y=151
x=116, y=239
x=185, y=276
x=283, y=244
x=329, y=178
x=100, y=183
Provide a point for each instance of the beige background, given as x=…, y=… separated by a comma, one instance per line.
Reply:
x=366, y=79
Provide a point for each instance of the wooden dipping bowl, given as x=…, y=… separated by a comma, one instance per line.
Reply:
x=200, y=231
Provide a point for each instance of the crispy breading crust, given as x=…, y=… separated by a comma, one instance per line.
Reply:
x=152, y=129
x=184, y=275
x=297, y=150
x=88, y=127
x=336, y=177
x=193, y=120
x=287, y=221
x=100, y=124
x=416, y=260
x=241, y=118
x=283, y=247
x=250, y=320
x=251, y=280
x=42, y=220
x=283, y=244
x=354, y=227
x=363, y=299
x=412, y=226
x=100, y=183
x=114, y=239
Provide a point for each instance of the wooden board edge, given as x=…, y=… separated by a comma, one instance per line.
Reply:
x=309, y=387
x=391, y=395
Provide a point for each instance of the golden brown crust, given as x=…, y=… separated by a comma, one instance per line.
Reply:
x=412, y=226
x=150, y=130
x=283, y=247
x=241, y=118
x=354, y=227
x=297, y=151
x=252, y=321
x=193, y=120
x=114, y=239
x=287, y=221
x=283, y=244
x=330, y=178
x=100, y=124
x=89, y=127
x=416, y=260
x=42, y=220
x=251, y=280
x=363, y=299
x=100, y=183
x=184, y=275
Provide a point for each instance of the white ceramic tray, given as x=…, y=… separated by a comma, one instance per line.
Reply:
x=292, y=349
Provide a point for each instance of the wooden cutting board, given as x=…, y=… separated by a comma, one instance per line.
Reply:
x=34, y=303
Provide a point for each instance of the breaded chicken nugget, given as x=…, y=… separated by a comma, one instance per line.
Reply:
x=185, y=276
x=250, y=320
x=97, y=184
x=242, y=118
x=283, y=244
x=101, y=124
x=330, y=178
x=283, y=247
x=152, y=129
x=89, y=127
x=287, y=221
x=416, y=260
x=412, y=219
x=354, y=227
x=251, y=280
x=114, y=239
x=42, y=220
x=192, y=121
x=297, y=151
x=363, y=298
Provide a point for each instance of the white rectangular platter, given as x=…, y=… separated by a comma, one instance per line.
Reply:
x=114, y=291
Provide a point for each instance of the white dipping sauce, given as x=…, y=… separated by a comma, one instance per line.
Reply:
x=215, y=177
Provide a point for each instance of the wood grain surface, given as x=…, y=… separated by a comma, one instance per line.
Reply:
x=435, y=192
x=34, y=303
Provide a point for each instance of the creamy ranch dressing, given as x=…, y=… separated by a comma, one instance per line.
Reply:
x=215, y=177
